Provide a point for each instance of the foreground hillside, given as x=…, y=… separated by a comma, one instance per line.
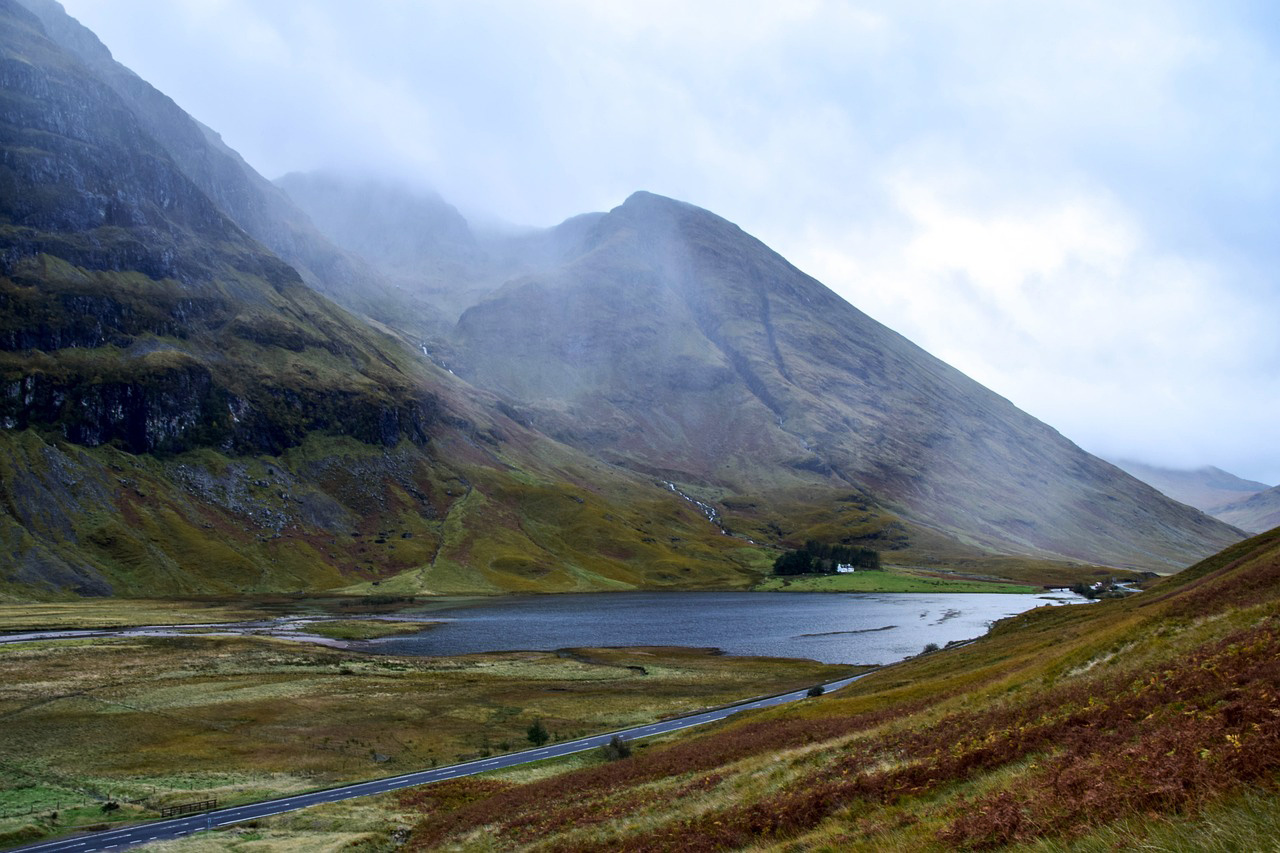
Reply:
x=1152, y=718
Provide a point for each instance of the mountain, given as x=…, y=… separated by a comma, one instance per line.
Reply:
x=1256, y=513
x=630, y=385
x=417, y=241
x=1206, y=489
x=660, y=337
x=182, y=414
x=668, y=340
x=261, y=209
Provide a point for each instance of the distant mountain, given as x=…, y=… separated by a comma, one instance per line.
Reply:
x=1207, y=489
x=180, y=413
x=660, y=337
x=417, y=241
x=1257, y=513
x=671, y=341
x=422, y=245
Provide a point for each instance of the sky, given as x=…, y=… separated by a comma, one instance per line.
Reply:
x=1075, y=203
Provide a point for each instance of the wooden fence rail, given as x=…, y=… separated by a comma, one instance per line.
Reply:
x=188, y=808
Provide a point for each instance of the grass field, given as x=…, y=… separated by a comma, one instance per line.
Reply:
x=156, y=721
x=888, y=580
x=118, y=613
x=364, y=629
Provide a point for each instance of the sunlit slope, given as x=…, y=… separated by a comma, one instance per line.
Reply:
x=333, y=512
x=673, y=342
x=1106, y=724
x=182, y=414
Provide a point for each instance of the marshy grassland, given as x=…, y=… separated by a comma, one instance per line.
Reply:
x=364, y=629
x=153, y=721
x=886, y=580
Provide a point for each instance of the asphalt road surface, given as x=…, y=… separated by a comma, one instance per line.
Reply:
x=130, y=836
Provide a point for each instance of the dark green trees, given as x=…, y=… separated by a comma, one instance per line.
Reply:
x=537, y=733
x=818, y=558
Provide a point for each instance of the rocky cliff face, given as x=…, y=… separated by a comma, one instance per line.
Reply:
x=135, y=311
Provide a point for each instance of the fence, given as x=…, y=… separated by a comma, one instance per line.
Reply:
x=188, y=808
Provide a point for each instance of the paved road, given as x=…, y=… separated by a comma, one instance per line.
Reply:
x=116, y=839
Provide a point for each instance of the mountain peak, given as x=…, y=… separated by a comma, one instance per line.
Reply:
x=645, y=197
x=645, y=202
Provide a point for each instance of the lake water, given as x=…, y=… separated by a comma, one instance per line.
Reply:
x=853, y=628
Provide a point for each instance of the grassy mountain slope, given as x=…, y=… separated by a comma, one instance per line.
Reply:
x=181, y=413
x=334, y=512
x=1151, y=718
x=670, y=341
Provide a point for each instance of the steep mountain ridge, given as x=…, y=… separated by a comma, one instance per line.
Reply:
x=678, y=344
x=145, y=316
x=261, y=209
x=116, y=263
x=417, y=242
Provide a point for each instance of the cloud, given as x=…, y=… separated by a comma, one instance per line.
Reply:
x=1067, y=307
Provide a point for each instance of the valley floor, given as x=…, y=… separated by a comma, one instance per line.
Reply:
x=154, y=721
x=1148, y=722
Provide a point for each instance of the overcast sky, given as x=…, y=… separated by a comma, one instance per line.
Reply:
x=1075, y=203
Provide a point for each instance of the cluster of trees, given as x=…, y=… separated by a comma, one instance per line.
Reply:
x=816, y=558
